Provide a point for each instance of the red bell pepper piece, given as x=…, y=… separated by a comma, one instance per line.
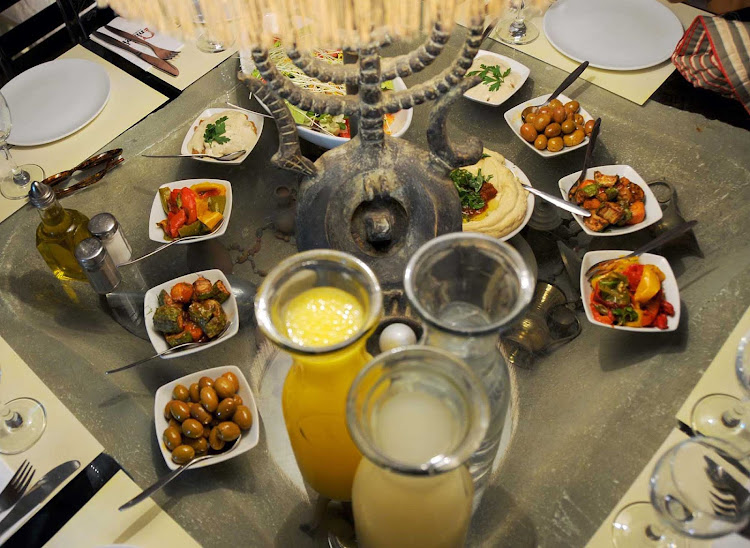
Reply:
x=661, y=321
x=667, y=308
x=346, y=133
x=189, y=205
x=633, y=273
x=608, y=319
x=176, y=221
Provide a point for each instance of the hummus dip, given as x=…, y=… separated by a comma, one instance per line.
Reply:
x=505, y=212
x=482, y=91
x=240, y=131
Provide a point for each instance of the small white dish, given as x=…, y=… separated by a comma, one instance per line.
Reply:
x=653, y=209
x=156, y=234
x=515, y=68
x=254, y=118
x=151, y=303
x=669, y=287
x=164, y=396
x=401, y=122
x=529, y=199
x=513, y=117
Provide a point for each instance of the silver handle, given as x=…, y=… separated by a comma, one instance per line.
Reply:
x=180, y=156
x=559, y=202
x=154, y=252
x=161, y=482
x=139, y=362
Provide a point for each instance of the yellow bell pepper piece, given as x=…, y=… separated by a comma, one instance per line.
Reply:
x=649, y=285
x=210, y=218
x=203, y=187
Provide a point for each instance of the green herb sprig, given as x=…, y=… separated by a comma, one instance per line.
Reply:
x=215, y=131
x=491, y=75
x=468, y=187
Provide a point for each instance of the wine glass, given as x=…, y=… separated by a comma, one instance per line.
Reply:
x=16, y=184
x=723, y=416
x=515, y=29
x=700, y=488
x=207, y=42
x=22, y=423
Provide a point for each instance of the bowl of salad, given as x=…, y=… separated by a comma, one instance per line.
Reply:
x=630, y=294
x=326, y=130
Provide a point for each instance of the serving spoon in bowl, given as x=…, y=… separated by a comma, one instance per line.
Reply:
x=225, y=158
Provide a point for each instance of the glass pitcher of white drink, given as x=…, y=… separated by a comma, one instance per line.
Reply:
x=416, y=414
x=467, y=288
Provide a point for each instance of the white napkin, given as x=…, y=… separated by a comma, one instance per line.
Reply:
x=141, y=31
x=5, y=474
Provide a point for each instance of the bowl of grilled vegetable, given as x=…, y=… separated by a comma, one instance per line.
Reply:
x=196, y=308
x=618, y=198
x=191, y=207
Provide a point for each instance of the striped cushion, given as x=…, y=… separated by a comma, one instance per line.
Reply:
x=714, y=54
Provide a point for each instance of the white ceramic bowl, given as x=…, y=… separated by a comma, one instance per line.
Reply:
x=669, y=287
x=151, y=303
x=515, y=68
x=254, y=118
x=653, y=209
x=155, y=232
x=401, y=122
x=164, y=395
x=529, y=199
x=513, y=117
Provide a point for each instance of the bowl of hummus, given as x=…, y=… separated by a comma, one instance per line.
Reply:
x=501, y=78
x=220, y=131
x=493, y=202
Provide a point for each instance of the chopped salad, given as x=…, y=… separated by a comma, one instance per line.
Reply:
x=192, y=211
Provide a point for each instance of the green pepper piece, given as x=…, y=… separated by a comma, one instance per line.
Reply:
x=193, y=229
x=164, y=193
x=590, y=190
x=179, y=338
x=611, y=193
x=217, y=203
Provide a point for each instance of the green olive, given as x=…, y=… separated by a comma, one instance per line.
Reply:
x=235, y=381
x=552, y=130
x=528, y=133
x=195, y=393
x=180, y=410
x=555, y=144
x=579, y=120
x=568, y=126
x=224, y=388
x=555, y=103
x=174, y=423
x=530, y=118
x=172, y=437
x=545, y=110
x=589, y=127
x=192, y=428
x=541, y=142
x=183, y=454
x=237, y=399
x=200, y=414
x=204, y=382
x=575, y=138
x=226, y=409
x=228, y=431
x=180, y=392
x=168, y=410
x=559, y=115
x=243, y=417
x=572, y=106
x=541, y=122
x=526, y=112
x=199, y=445
x=214, y=441
x=209, y=399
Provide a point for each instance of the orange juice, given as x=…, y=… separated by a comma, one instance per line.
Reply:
x=315, y=390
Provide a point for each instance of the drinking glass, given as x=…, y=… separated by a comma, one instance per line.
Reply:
x=16, y=184
x=23, y=423
x=699, y=489
x=208, y=40
x=515, y=29
x=723, y=416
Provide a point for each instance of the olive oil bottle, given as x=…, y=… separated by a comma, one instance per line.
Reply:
x=59, y=233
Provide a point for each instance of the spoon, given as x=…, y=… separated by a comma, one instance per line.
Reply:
x=161, y=482
x=572, y=77
x=176, y=240
x=559, y=202
x=225, y=158
x=589, y=150
x=182, y=346
x=653, y=244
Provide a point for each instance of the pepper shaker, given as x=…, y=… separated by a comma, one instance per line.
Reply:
x=105, y=227
x=98, y=266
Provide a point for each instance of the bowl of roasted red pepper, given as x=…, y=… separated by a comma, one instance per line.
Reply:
x=195, y=308
x=630, y=294
x=192, y=207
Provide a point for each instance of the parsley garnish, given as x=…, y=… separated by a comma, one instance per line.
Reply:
x=468, y=187
x=491, y=76
x=214, y=131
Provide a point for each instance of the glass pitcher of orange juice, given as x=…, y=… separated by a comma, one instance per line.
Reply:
x=321, y=306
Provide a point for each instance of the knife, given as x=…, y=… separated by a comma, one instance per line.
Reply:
x=38, y=493
x=161, y=64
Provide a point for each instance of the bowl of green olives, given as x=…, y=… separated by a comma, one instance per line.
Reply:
x=202, y=414
x=551, y=129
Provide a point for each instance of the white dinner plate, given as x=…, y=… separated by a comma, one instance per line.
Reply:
x=52, y=100
x=613, y=34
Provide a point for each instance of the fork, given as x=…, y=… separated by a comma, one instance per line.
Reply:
x=17, y=485
x=161, y=53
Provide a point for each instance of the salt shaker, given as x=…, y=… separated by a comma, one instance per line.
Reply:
x=98, y=266
x=105, y=227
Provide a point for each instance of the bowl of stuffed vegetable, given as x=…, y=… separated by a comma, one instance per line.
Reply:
x=191, y=207
x=198, y=307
